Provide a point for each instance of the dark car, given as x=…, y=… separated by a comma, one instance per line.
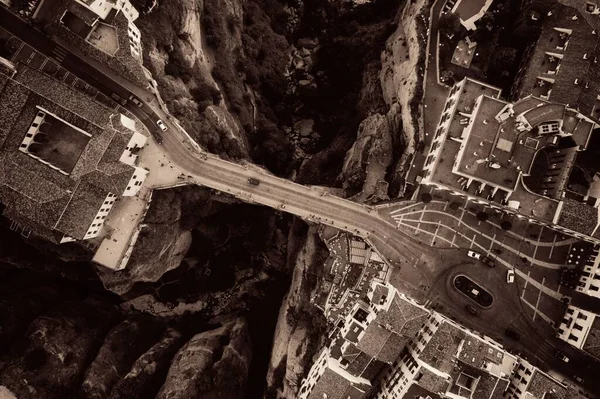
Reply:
x=561, y=356
x=118, y=99
x=486, y=260
x=472, y=309
x=136, y=101
x=512, y=334
x=253, y=181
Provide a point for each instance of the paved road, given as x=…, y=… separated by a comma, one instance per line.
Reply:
x=315, y=204
x=211, y=171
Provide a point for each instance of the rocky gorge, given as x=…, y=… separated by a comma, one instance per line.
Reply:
x=215, y=301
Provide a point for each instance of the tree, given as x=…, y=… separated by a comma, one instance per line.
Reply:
x=482, y=216
x=504, y=59
x=506, y=225
x=449, y=24
x=426, y=198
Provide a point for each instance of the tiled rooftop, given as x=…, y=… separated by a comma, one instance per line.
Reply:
x=431, y=382
x=331, y=384
x=576, y=62
x=34, y=191
x=374, y=339
x=578, y=216
x=592, y=342
x=403, y=317
x=442, y=347
x=541, y=385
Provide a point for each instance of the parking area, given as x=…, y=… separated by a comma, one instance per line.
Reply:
x=535, y=252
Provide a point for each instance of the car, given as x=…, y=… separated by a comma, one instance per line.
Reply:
x=561, y=356
x=473, y=254
x=118, y=99
x=512, y=334
x=488, y=261
x=510, y=276
x=162, y=125
x=472, y=309
x=578, y=379
x=136, y=101
x=253, y=181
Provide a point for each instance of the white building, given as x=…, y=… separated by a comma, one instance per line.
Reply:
x=576, y=326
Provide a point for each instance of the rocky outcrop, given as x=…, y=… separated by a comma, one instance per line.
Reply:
x=122, y=346
x=18, y=310
x=367, y=161
x=213, y=364
x=175, y=52
x=297, y=335
x=53, y=354
x=402, y=66
x=165, y=239
x=141, y=381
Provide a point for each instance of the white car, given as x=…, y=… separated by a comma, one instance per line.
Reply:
x=473, y=254
x=510, y=276
x=162, y=125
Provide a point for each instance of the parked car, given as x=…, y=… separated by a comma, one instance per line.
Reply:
x=472, y=309
x=253, y=181
x=578, y=379
x=561, y=356
x=510, y=276
x=118, y=99
x=488, y=261
x=512, y=334
x=136, y=101
x=473, y=254
x=162, y=125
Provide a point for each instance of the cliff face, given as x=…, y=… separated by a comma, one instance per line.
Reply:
x=122, y=346
x=395, y=133
x=165, y=239
x=86, y=348
x=213, y=364
x=300, y=325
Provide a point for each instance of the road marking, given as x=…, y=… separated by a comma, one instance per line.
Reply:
x=492, y=242
x=435, y=234
x=473, y=240
x=44, y=63
x=552, y=247
x=420, y=220
x=454, y=238
x=525, y=285
x=543, y=316
x=14, y=57
x=538, y=301
x=537, y=262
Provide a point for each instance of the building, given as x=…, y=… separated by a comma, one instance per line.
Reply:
x=581, y=328
x=589, y=282
x=562, y=64
x=529, y=382
x=470, y=11
x=447, y=360
x=65, y=159
x=370, y=338
x=98, y=22
x=522, y=157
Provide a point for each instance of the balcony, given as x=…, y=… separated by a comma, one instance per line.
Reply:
x=551, y=63
x=542, y=88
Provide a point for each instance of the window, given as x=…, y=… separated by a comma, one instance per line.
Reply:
x=582, y=316
x=573, y=338
x=578, y=327
x=23, y=145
